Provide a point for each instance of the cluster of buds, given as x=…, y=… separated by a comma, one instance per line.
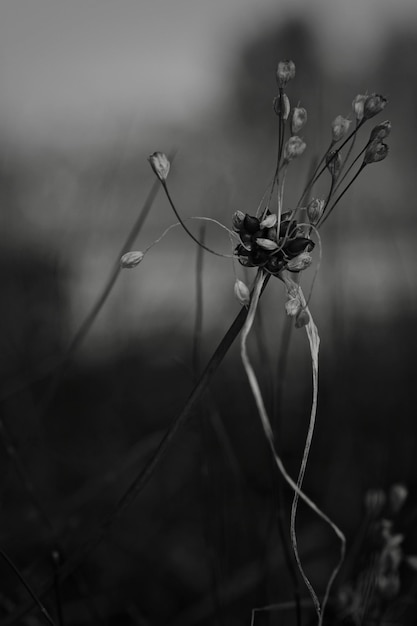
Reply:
x=274, y=249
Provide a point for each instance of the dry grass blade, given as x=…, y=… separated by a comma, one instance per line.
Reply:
x=314, y=343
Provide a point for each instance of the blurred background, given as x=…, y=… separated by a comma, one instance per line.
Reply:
x=87, y=91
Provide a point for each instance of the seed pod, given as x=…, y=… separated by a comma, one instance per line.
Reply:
x=299, y=118
x=160, y=164
x=250, y=224
x=285, y=72
x=340, y=127
x=131, y=259
x=276, y=263
x=242, y=292
x=294, y=247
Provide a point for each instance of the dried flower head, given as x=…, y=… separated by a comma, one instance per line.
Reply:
x=294, y=147
x=376, y=151
x=373, y=105
x=131, y=259
x=285, y=72
x=340, y=128
x=380, y=131
x=298, y=119
x=160, y=164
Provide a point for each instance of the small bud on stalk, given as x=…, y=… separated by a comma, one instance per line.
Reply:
x=358, y=106
x=242, y=292
x=282, y=106
x=299, y=118
x=237, y=220
x=315, y=210
x=285, y=72
x=380, y=131
x=334, y=162
x=294, y=147
x=375, y=152
x=340, y=128
x=160, y=164
x=373, y=105
x=131, y=259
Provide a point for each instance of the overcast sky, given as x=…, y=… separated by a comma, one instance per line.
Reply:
x=82, y=64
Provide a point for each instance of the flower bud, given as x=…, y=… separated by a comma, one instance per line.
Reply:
x=131, y=259
x=285, y=72
x=237, y=220
x=302, y=318
x=294, y=147
x=266, y=244
x=242, y=292
x=375, y=151
x=282, y=106
x=160, y=164
x=300, y=262
x=299, y=118
x=315, y=210
x=358, y=106
x=380, y=131
x=397, y=496
x=340, y=127
x=373, y=105
x=269, y=221
x=334, y=162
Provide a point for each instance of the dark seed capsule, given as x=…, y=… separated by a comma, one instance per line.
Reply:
x=259, y=256
x=250, y=224
x=275, y=264
x=294, y=247
x=287, y=228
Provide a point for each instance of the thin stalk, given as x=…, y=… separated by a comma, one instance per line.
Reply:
x=48, y=619
x=86, y=325
x=198, y=320
x=340, y=196
x=181, y=221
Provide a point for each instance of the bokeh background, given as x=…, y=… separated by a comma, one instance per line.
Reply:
x=87, y=91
